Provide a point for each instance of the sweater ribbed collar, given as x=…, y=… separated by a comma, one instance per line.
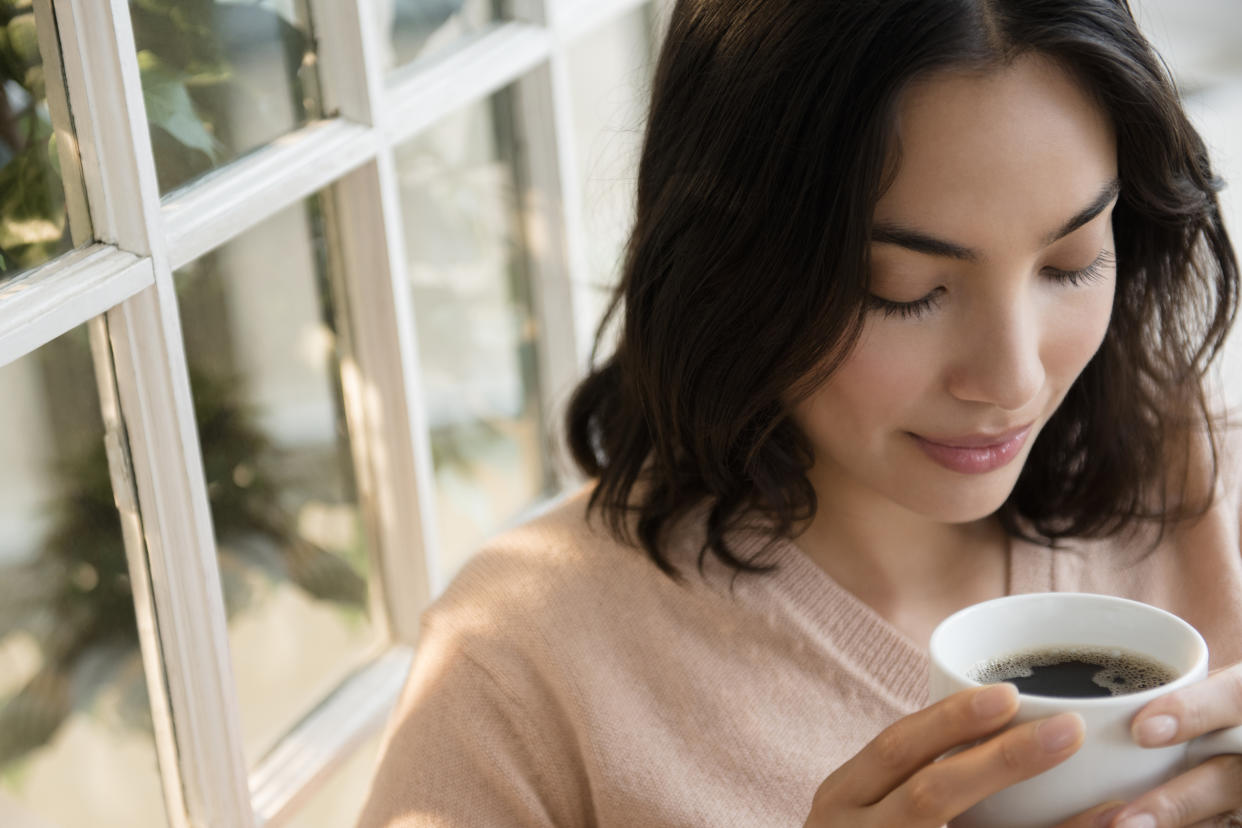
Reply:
x=876, y=649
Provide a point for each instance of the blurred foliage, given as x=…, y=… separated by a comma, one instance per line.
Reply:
x=187, y=51
x=33, y=226
x=75, y=594
x=83, y=596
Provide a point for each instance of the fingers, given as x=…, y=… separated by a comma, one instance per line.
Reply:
x=914, y=741
x=945, y=789
x=1180, y=716
x=1101, y=816
x=1212, y=788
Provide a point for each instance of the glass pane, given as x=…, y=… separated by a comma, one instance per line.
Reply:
x=610, y=82
x=220, y=78
x=339, y=801
x=74, y=713
x=477, y=333
x=34, y=226
x=260, y=334
x=418, y=28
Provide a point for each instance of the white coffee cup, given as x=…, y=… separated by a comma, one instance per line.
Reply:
x=1110, y=765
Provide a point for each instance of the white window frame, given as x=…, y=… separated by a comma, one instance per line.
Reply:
x=120, y=282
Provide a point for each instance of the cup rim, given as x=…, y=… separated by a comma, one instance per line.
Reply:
x=1184, y=677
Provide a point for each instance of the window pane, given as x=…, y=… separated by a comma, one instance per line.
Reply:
x=220, y=78
x=477, y=334
x=34, y=226
x=260, y=333
x=418, y=28
x=610, y=83
x=74, y=712
x=1201, y=41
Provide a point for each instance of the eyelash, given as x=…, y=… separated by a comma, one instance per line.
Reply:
x=917, y=308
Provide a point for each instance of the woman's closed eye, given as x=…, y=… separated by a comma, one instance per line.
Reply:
x=1095, y=271
x=906, y=310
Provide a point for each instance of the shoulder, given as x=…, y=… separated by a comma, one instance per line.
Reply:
x=491, y=695
x=561, y=551
x=554, y=580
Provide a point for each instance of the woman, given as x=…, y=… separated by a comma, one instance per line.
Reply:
x=916, y=313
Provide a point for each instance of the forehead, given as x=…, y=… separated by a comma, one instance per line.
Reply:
x=997, y=157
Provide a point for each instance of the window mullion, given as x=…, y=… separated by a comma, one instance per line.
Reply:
x=108, y=116
x=350, y=74
x=381, y=374
x=185, y=579
x=419, y=96
x=78, y=286
x=116, y=445
x=62, y=124
x=257, y=187
x=105, y=92
x=384, y=389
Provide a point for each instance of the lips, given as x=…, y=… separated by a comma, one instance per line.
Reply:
x=975, y=453
x=979, y=440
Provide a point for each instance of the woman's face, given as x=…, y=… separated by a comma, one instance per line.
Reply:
x=992, y=275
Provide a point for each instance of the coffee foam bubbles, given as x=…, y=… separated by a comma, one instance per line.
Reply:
x=1121, y=672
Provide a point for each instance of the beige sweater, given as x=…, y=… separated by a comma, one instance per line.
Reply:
x=563, y=680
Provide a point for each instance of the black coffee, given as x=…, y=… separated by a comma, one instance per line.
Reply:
x=1075, y=672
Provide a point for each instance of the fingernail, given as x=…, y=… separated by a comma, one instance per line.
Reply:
x=993, y=701
x=1105, y=819
x=1059, y=732
x=1157, y=730
x=1138, y=821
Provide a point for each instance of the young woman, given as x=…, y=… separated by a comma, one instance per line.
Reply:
x=917, y=312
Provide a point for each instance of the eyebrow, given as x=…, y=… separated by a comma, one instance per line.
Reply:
x=920, y=242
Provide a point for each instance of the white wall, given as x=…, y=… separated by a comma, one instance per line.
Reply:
x=1201, y=41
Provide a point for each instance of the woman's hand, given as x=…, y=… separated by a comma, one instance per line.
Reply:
x=897, y=780
x=1211, y=789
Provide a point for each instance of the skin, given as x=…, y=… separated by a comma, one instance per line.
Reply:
x=994, y=163
x=997, y=163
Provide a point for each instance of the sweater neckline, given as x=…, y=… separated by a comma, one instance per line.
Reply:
x=875, y=647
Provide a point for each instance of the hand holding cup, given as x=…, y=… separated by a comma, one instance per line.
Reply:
x=1203, y=716
x=901, y=779
x=1111, y=766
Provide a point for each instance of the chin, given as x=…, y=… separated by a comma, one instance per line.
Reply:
x=973, y=516
x=965, y=505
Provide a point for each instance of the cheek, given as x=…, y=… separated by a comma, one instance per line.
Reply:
x=883, y=376
x=1078, y=328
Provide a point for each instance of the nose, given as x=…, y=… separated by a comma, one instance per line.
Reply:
x=999, y=359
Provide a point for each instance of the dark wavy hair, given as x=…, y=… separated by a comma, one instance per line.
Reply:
x=744, y=278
